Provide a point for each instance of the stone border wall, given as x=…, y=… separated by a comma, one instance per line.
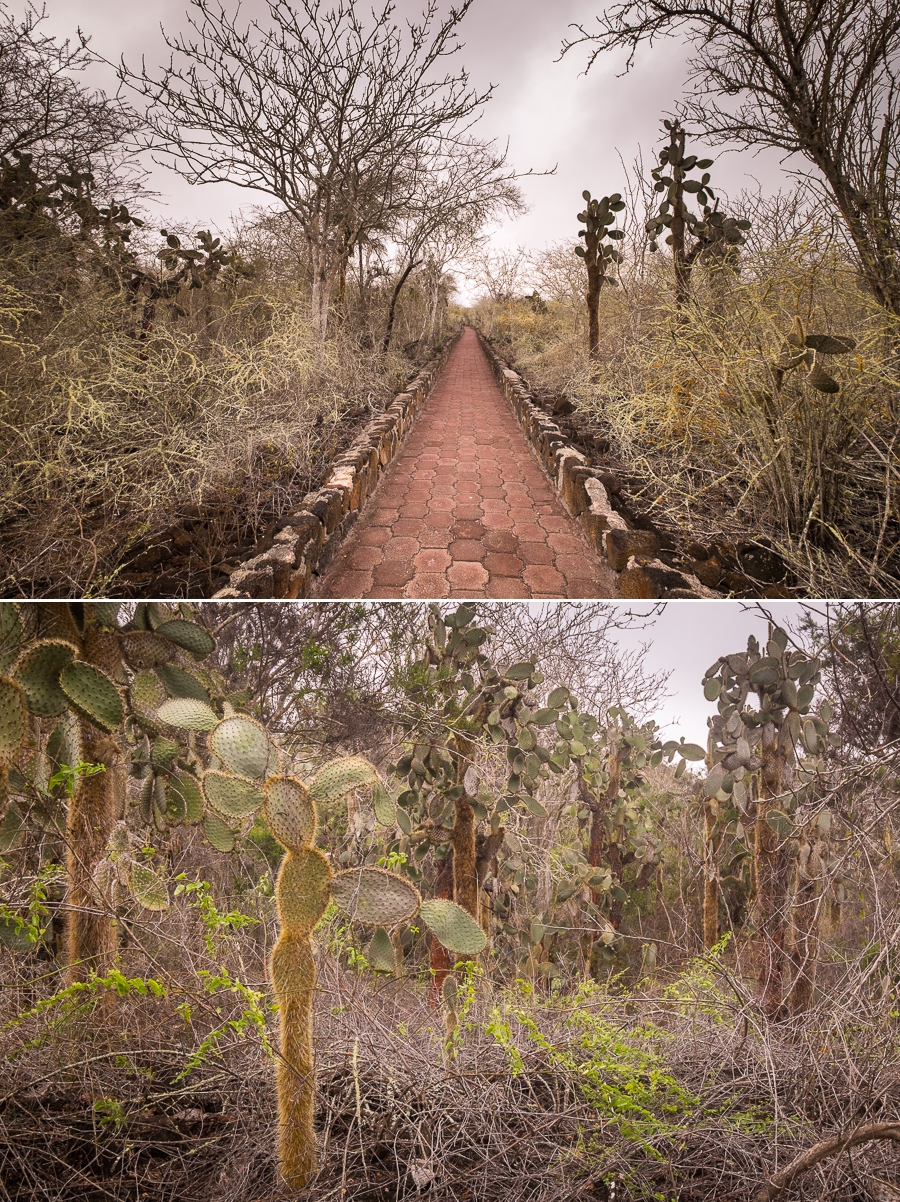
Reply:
x=307, y=540
x=631, y=554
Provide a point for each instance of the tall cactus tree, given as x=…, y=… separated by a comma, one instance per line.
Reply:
x=459, y=700
x=716, y=236
x=764, y=761
x=598, y=215
x=70, y=683
x=609, y=761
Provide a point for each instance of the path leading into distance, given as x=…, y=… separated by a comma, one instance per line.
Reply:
x=465, y=510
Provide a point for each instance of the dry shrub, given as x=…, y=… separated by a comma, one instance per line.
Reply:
x=227, y=407
x=671, y=1087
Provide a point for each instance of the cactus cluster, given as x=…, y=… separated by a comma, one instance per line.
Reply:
x=73, y=676
x=716, y=235
x=244, y=780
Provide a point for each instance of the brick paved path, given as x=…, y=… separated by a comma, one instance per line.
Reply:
x=466, y=510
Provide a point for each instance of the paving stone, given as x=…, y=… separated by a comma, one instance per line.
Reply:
x=465, y=509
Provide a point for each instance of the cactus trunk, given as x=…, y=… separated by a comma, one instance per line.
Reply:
x=595, y=281
x=295, y=1083
x=465, y=881
x=440, y=962
x=805, y=921
x=772, y=870
x=710, y=882
x=91, y=933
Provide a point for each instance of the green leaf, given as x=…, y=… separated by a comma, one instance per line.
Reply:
x=533, y=806
x=780, y=823
x=189, y=636
x=92, y=695
x=148, y=889
x=380, y=952
x=187, y=713
x=384, y=805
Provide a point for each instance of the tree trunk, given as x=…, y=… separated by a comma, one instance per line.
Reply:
x=773, y=868
x=465, y=881
x=392, y=308
x=99, y=801
x=597, y=845
x=595, y=280
x=322, y=283
x=91, y=934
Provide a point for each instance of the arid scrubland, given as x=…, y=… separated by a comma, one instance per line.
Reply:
x=135, y=454
x=167, y=395
x=686, y=980
x=691, y=403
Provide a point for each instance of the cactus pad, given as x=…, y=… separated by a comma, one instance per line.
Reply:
x=453, y=927
x=148, y=889
x=37, y=671
x=147, y=695
x=188, y=714
x=380, y=952
x=290, y=812
x=92, y=695
x=107, y=612
x=293, y=967
x=375, y=895
x=302, y=890
x=190, y=804
x=384, y=805
x=163, y=752
x=180, y=683
x=340, y=776
x=143, y=649
x=13, y=720
x=217, y=833
x=189, y=636
x=232, y=797
x=242, y=745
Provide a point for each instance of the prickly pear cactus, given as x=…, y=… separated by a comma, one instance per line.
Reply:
x=306, y=886
x=85, y=687
x=766, y=744
x=599, y=215
x=716, y=237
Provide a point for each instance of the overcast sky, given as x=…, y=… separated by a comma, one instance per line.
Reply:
x=686, y=639
x=548, y=110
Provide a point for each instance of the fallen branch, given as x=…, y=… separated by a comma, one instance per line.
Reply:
x=821, y=1151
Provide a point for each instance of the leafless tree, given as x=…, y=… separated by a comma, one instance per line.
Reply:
x=47, y=113
x=330, y=114
x=811, y=78
x=461, y=191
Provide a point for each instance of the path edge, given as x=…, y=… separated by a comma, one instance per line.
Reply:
x=309, y=538
x=630, y=554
